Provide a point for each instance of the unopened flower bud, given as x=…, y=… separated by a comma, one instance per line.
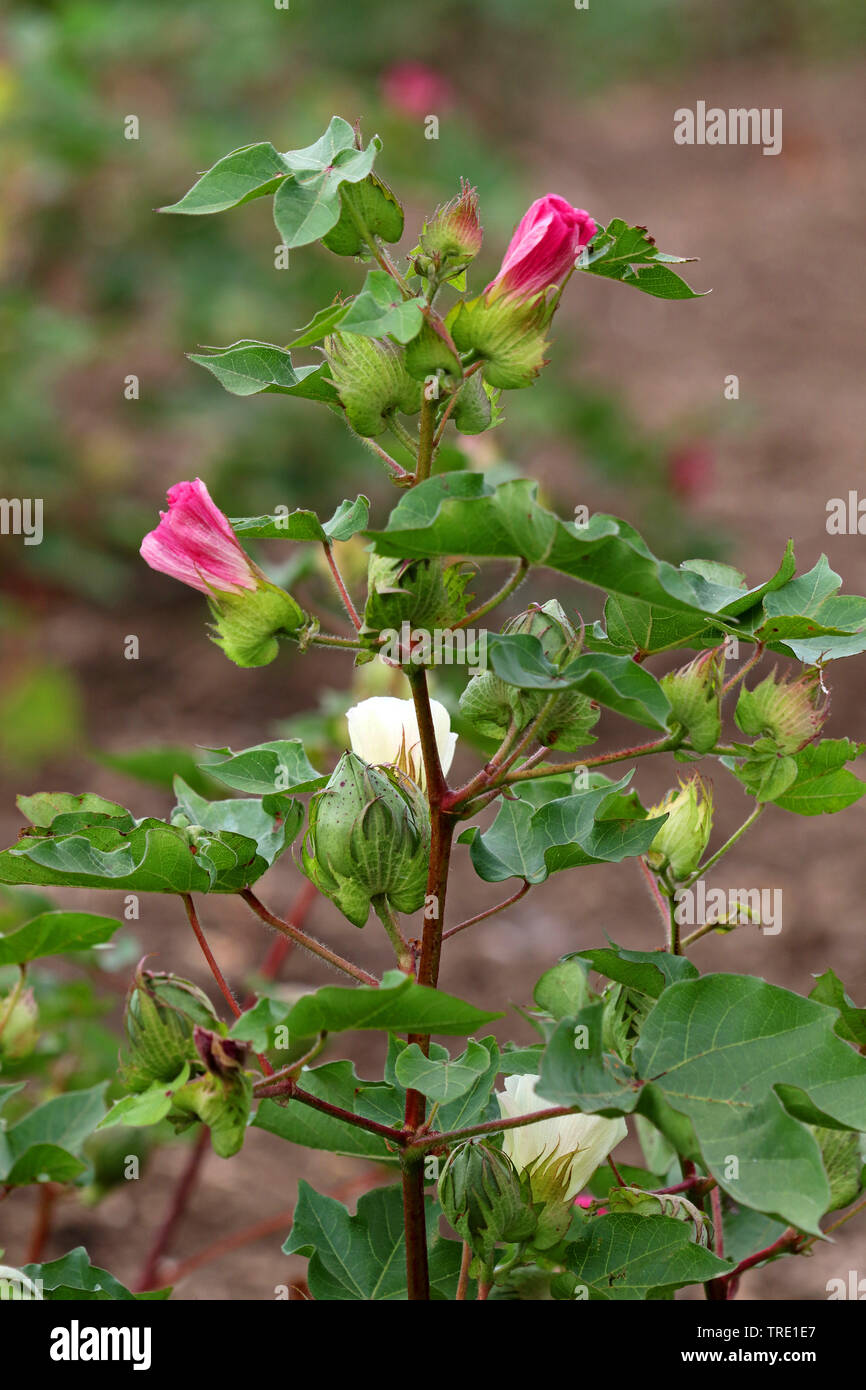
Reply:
x=543, y=248
x=371, y=380
x=681, y=841
x=790, y=712
x=161, y=1012
x=695, y=695
x=368, y=836
x=426, y=594
x=491, y=705
x=194, y=542
x=481, y=1195
x=453, y=236
x=19, y=1024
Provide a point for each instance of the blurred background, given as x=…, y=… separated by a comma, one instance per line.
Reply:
x=630, y=417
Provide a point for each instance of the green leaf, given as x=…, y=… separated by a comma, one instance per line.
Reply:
x=397, y=1005
x=337, y=1083
x=73, y=1278
x=460, y=513
x=851, y=1024
x=247, y=368
x=42, y=808
x=649, y=972
x=629, y=254
x=822, y=783
x=44, y=1145
x=747, y=1062
x=639, y=1257
x=302, y=525
x=249, y=172
x=532, y=842
x=380, y=310
x=267, y=768
x=363, y=1257
x=308, y=205
x=441, y=1080
x=577, y=1071
x=271, y=822
x=92, y=850
x=52, y=933
x=815, y=596
x=323, y=322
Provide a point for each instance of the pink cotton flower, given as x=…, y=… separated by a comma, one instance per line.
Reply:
x=413, y=89
x=195, y=544
x=544, y=247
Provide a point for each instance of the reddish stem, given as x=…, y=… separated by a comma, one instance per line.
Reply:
x=149, y=1277
x=343, y=591
x=491, y=911
x=209, y=955
x=308, y=942
x=46, y=1202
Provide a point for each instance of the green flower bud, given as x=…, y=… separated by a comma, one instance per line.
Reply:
x=624, y=1014
x=222, y=1103
x=248, y=624
x=789, y=712
x=427, y=594
x=452, y=237
x=371, y=380
x=161, y=1011
x=19, y=1025
x=491, y=705
x=368, y=836
x=508, y=333
x=481, y=1195
x=681, y=842
x=695, y=695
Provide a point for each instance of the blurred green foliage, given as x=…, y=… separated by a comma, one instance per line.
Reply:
x=100, y=289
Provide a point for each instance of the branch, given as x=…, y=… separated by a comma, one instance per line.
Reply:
x=308, y=942
x=149, y=1277
x=341, y=587
x=287, y=1089
x=425, y=440
x=209, y=955
x=490, y=912
x=640, y=750
x=453, y=1136
x=513, y=582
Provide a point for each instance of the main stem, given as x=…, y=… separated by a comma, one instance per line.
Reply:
x=441, y=836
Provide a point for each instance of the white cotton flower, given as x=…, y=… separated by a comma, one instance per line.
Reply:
x=587, y=1138
x=384, y=730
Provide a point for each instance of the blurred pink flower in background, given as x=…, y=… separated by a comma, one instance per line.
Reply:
x=691, y=471
x=414, y=89
x=195, y=544
x=544, y=247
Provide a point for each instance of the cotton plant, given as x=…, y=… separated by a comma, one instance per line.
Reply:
x=499, y=1164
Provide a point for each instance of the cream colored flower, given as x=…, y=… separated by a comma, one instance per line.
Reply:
x=587, y=1138
x=384, y=730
